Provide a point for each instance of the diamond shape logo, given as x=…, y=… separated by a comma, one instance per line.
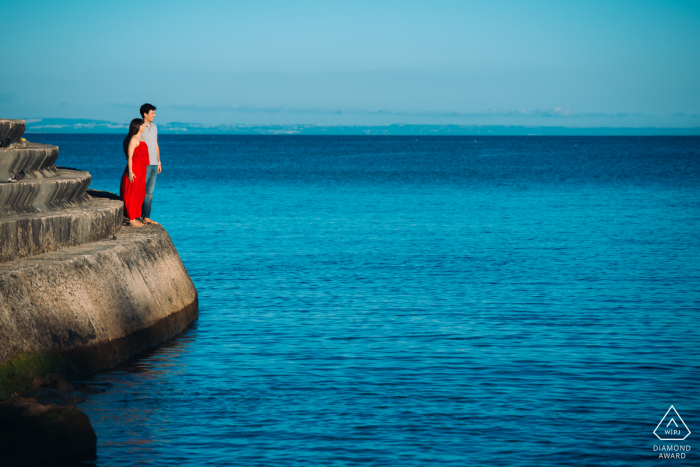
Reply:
x=672, y=427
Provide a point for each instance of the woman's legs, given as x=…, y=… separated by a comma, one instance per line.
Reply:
x=133, y=193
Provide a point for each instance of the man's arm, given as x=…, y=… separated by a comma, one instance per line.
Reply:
x=158, y=153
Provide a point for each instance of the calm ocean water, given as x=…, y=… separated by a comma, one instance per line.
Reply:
x=408, y=301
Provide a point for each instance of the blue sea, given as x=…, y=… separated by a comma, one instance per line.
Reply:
x=414, y=301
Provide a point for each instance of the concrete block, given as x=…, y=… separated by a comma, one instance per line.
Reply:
x=13, y=129
x=95, y=304
x=65, y=190
x=25, y=235
x=35, y=159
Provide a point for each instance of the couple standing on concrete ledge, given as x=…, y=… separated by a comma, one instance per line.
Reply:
x=143, y=166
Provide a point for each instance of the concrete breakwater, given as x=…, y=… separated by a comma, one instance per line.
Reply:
x=78, y=292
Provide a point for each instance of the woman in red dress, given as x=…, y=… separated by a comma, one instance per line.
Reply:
x=133, y=186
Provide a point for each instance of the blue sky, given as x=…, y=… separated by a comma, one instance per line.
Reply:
x=559, y=63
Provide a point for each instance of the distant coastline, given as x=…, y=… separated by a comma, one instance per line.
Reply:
x=84, y=126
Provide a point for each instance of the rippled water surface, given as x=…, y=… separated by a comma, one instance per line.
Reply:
x=414, y=301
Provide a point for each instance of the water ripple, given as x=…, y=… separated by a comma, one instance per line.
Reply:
x=393, y=301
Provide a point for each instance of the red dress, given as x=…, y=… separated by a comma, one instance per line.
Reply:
x=134, y=193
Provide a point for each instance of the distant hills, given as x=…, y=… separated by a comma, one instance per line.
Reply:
x=63, y=125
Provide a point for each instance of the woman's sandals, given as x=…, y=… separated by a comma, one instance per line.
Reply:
x=135, y=223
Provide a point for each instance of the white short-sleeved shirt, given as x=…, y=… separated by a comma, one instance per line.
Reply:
x=150, y=137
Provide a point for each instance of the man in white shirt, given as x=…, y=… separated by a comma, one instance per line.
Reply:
x=150, y=137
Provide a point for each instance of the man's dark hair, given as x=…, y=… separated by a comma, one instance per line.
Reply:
x=145, y=108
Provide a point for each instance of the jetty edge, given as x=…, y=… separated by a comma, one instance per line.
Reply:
x=78, y=291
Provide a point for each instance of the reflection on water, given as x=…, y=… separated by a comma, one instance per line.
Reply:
x=414, y=301
x=131, y=380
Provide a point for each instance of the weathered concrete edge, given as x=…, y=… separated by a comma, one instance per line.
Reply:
x=43, y=195
x=25, y=372
x=26, y=235
x=75, y=311
x=35, y=160
x=106, y=354
x=12, y=128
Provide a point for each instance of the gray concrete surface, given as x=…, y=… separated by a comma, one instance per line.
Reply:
x=66, y=189
x=13, y=129
x=36, y=160
x=97, y=303
x=25, y=235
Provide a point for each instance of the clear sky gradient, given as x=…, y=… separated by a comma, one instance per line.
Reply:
x=559, y=63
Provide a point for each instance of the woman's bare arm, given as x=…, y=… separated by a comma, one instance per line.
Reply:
x=132, y=146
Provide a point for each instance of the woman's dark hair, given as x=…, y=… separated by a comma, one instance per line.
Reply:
x=133, y=130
